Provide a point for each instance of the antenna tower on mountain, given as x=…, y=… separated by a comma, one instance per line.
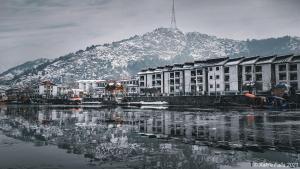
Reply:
x=173, y=20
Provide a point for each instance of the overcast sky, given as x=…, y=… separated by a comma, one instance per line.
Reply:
x=31, y=29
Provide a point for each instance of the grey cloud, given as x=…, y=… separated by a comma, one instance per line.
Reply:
x=30, y=29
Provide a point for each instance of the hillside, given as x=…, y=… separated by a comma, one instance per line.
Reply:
x=124, y=58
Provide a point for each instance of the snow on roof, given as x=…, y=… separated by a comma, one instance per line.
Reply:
x=296, y=59
x=234, y=61
x=90, y=81
x=283, y=59
x=266, y=60
x=216, y=61
x=249, y=60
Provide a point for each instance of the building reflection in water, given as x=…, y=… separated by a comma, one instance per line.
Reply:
x=158, y=138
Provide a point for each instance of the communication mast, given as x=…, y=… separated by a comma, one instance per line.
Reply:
x=173, y=19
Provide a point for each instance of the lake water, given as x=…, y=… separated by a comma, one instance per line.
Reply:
x=47, y=137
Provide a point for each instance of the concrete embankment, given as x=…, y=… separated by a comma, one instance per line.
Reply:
x=194, y=100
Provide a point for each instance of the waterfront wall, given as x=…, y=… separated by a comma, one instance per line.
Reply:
x=194, y=100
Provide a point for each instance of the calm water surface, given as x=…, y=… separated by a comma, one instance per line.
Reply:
x=43, y=137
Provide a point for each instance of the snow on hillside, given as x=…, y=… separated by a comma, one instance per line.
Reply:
x=126, y=57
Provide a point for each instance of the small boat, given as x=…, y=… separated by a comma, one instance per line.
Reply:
x=148, y=103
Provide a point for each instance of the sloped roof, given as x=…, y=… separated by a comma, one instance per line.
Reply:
x=296, y=59
x=266, y=59
x=283, y=59
x=234, y=61
x=249, y=60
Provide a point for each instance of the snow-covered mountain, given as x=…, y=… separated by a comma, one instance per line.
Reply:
x=160, y=47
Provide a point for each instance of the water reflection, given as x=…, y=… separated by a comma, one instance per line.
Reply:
x=135, y=138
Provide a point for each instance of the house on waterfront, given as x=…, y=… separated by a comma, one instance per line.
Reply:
x=131, y=86
x=264, y=73
x=47, y=89
x=215, y=75
x=93, y=88
x=233, y=75
x=150, y=81
x=201, y=77
x=287, y=70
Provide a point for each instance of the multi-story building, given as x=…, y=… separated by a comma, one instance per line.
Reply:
x=264, y=73
x=248, y=71
x=222, y=76
x=95, y=88
x=201, y=77
x=189, y=78
x=216, y=75
x=295, y=72
x=233, y=75
x=177, y=80
x=287, y=70
x=131, y=86
x=47, y=89
x=150, y=81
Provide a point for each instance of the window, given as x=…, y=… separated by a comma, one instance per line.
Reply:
x=282, y=67
x=177, y=81
x=153, y=83
x=177, y=74
x=193, y=73
x=200, y=87
x=193, y=80
x=172, y=89
x=210, y=69
x=293, y=67
x=248, y=77
x=193, y=88
x=171, y=75
x=227, y=87
x=217, y=68
x=211, y=86
x=258, y=68
x=226, y=70
x=199, y=72
x=293, y=76
x=226, y=78
x=199, y=79
x=218, y=85
x=158, y=82
x=282, y=76
x=142, y=84
x=172, y=82
x=177, y=87
x=248, y=69
x=217, y=77
x=259, y=77
x=158, y=76
x=210, y=77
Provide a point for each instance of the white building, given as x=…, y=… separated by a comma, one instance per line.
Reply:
x=248, y=70
x=287, y=70
x=47, y=89
x=131, y=86
x=201, y=77
x=95, y=88
x=264, y=73
x=216, y=75
x=150, y=81
x=233, y=75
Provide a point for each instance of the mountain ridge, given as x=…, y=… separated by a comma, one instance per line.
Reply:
x=162, y=46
